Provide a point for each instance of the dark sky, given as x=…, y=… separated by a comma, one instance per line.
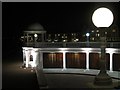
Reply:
x=55, y=17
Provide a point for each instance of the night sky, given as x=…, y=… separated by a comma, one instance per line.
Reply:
x=55, y=17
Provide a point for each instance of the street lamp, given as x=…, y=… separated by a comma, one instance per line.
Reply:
x=87, y=35
x=35, y=35
x=102, y=18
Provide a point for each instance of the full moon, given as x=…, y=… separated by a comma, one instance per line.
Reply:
x=102, y=17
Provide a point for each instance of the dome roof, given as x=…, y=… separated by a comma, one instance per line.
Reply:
x=36, y=27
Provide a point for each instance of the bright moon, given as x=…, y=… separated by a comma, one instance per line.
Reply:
x=102, y=17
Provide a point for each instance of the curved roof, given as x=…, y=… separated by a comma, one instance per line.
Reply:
x=35, y=28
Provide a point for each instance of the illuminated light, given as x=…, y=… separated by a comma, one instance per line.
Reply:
x=97, y=31
x=51, y=56
x=113, y=30
x=77, y=39
x=27, y=48
x=93, y=38
x=87, y=34
x=52, y=41
x=105, y=32
x=98, y=35
x=35, y=35
x=102, y=17
x=64, y=40
x=58, y=34
x=111, y=50
x=55, y=40
x=86, y=49
x=33, y=64
x=63, y=49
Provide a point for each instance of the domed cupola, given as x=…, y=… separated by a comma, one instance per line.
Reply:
x=35, y=28
x=35, y=33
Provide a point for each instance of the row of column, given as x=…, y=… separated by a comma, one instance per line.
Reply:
x=87, y=61
x=38, y=59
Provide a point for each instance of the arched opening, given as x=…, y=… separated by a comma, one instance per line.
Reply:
x=31, y=58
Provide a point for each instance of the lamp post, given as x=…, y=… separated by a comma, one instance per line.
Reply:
x=35, y=35
x=102, y=18
x=87, y=35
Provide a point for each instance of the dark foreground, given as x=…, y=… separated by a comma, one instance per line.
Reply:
x=15, y=77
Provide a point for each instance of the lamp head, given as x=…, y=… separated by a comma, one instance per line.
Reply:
x=102, y=17
x=35, y=35
x=87, y=34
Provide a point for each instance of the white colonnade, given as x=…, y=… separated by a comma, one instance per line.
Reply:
x=38, y=58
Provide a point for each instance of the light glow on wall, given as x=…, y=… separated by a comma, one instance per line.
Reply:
x=111, y=50
x=86, y=49
x=63, y=49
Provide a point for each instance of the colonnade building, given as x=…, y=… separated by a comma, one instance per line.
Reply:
x=65, y=55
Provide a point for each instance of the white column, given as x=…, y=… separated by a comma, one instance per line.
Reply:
x=27, y=57
x=87, y=60
x=111, y=62
x=24, y=56
x=64, y=60
x=35, y=58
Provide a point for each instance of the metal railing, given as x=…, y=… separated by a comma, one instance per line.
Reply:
x=71, y=44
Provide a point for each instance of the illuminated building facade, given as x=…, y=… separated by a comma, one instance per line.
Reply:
x=65, y=51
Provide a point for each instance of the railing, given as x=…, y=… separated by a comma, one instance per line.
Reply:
x=71, y=44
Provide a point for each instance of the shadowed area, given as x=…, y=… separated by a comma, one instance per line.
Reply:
x=15, y=77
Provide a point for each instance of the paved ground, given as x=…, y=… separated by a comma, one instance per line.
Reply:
x=94, y=72
x=15, y=77
x=68, y=80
